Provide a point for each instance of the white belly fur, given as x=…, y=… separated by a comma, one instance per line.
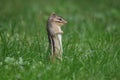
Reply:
x=60, y=40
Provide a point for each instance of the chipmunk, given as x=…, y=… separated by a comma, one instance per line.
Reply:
x=54, y=31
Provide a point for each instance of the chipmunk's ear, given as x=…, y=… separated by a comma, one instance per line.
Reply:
x=53, y=14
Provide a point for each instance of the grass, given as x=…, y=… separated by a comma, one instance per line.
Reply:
x=91, y=40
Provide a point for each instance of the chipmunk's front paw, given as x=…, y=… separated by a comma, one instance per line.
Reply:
x=61, y=32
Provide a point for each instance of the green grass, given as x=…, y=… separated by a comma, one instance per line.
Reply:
x=91, y=40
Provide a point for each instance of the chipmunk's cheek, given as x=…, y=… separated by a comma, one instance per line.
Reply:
x=61, y=24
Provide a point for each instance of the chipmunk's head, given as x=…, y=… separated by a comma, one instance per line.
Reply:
x=57, y=20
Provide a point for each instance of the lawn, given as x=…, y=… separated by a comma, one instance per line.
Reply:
x=91, y=40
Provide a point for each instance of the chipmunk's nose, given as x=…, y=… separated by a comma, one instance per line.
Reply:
x=65, y=22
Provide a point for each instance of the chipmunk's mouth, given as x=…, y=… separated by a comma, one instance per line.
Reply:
x=65, y=22
x=61, y=22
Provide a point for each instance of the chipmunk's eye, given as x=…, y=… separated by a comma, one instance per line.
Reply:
x=60, y=19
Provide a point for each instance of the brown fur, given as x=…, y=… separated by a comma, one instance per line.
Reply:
x=54, y=31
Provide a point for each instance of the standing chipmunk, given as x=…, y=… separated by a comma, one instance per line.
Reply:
x=55, y=36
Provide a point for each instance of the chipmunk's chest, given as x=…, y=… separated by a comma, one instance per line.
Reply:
x=58, y=41
x=56, y=28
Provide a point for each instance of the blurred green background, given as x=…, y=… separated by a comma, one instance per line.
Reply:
x=91, y=40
